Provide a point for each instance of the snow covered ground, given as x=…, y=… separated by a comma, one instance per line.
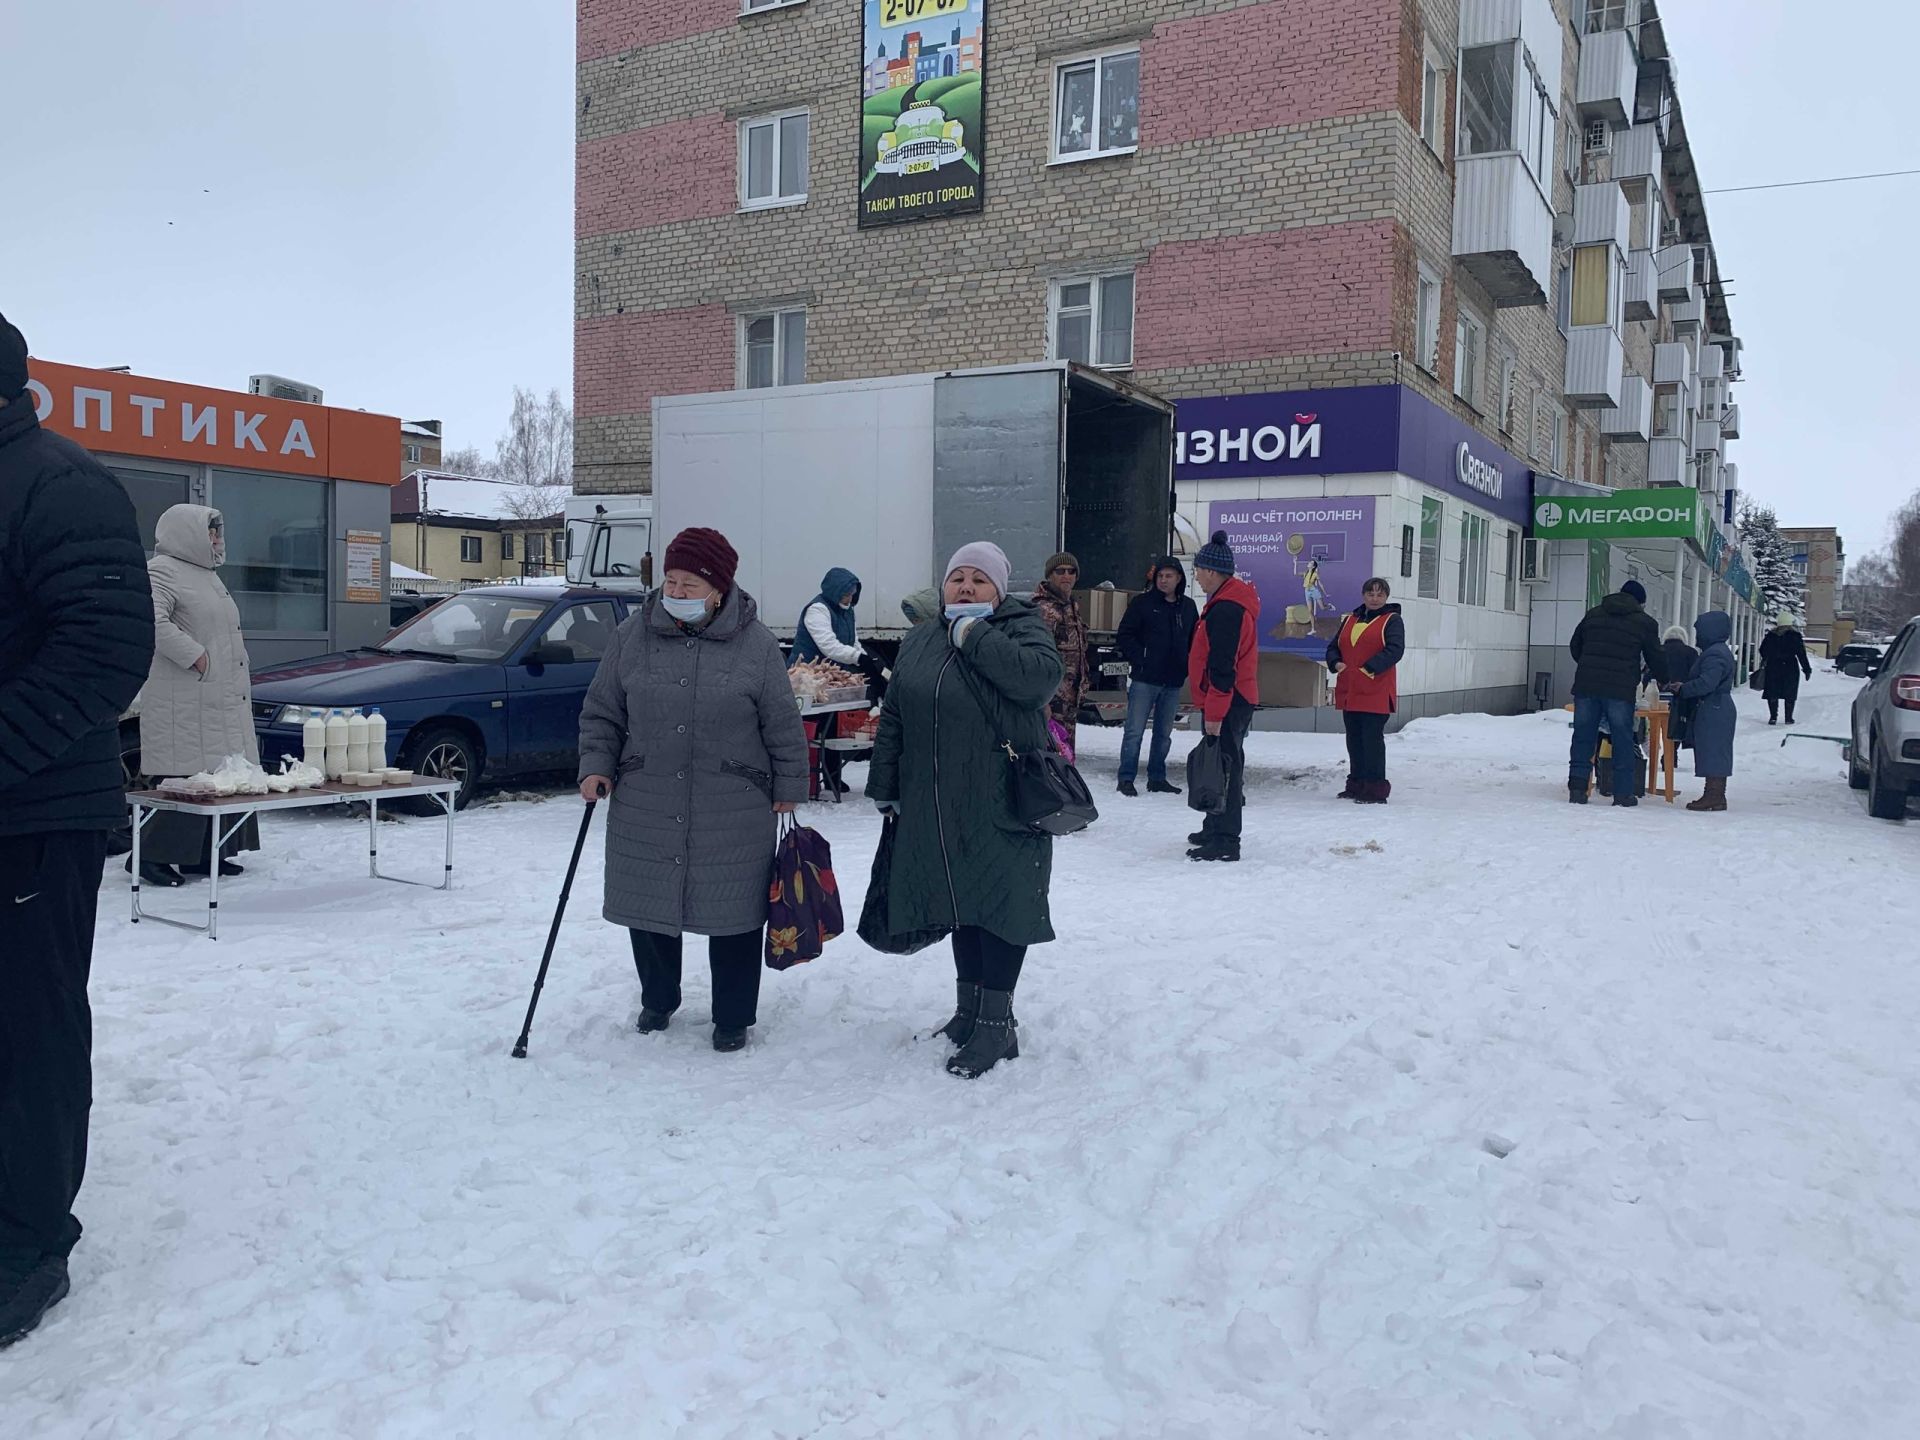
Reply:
x=1479, y=1115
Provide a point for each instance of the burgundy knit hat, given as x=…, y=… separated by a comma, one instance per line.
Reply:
x=705, y=553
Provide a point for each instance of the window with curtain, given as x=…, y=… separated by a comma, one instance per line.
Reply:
x=1592, y=275
x=277, y=550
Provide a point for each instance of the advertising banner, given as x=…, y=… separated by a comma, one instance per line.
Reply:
x=363, y=567
x=1307, y=558
x=1633, y=514
x=923, y=109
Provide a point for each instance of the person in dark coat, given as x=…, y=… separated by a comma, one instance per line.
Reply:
x=1155, y=637
x=76, y=638
x=1610, y=645
x=1362, y=656
x=1054, y=601
x=1709, y=689
x=827, y=630
x=1223, y=671
x=691, y=726
x=1783, y=659
x=1680, y=657
x=963, y=690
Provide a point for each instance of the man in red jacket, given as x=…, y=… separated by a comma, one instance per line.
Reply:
x=1222, y=669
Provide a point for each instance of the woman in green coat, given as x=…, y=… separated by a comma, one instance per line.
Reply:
x=980, y=676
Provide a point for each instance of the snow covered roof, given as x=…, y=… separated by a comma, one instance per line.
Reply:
x=474, y=497
x=407, y=572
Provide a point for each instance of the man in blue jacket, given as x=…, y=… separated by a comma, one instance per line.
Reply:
x=76, y=639
x=1155, y=637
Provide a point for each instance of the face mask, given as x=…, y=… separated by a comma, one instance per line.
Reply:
x=977, y=610
x=687, y=612
x=219, y=553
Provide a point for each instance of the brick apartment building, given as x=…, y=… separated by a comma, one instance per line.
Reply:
x=1820, y=555
x=1479, y=217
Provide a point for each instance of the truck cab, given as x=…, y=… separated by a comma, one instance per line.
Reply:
x=610, y=542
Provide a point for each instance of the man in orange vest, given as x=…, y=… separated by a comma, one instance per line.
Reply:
x=1223, y=672
x=1362, y=656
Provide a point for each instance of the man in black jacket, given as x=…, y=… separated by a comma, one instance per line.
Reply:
x=1156, y=637
x=1611, y=644
x=76, y=638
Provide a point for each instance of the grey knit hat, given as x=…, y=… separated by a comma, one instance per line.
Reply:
x=1215, y=555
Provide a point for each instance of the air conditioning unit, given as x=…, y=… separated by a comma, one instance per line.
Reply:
x=1536, y=562
x=278, y=387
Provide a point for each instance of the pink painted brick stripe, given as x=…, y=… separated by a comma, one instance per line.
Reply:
x=677, y=170
x=620, y=362
x=607, y=27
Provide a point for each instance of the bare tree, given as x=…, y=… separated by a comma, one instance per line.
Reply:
x=467, y=461
x=537, y=447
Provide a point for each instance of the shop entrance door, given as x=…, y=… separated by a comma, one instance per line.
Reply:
x=153, y=493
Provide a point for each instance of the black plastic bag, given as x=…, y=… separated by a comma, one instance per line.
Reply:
x=1207, y=777
x=873, y=911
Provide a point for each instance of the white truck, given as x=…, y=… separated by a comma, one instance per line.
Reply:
x=886, y=477
x=610, y=541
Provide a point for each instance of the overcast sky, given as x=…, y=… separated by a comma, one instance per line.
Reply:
x=376, y=196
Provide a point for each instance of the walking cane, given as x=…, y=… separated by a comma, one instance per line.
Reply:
x=566, y=888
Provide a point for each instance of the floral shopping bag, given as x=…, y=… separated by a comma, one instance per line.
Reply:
x=803, y=904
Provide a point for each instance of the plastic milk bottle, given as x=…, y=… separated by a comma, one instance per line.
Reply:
x=336, y=744
x=356, y=742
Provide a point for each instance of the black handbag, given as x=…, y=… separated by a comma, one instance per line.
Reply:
x=873, y=911
x=1207, y=777
x=1046, y=791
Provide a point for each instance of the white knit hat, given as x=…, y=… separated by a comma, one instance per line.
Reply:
x=986, y=557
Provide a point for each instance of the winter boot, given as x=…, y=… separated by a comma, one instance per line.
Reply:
x=652, y=1020
x=1216, y=850
x=1576, y=794
x=1352, y=790
x=163, y=877
x=1127, y=789
x=1198, y=837
x=26, y=1298
x=992, y=1040
x=1625, y=799
x=727, y=1041
x=1163, y=787
x=1715, y=797
x=1374, y=792
x=966, y=1006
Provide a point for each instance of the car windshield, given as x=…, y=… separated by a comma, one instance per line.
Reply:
x=468, y=627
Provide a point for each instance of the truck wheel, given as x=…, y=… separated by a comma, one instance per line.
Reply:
x=445, y=753
x=1886, y=796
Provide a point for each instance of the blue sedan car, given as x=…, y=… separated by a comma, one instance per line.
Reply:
x=487, y=682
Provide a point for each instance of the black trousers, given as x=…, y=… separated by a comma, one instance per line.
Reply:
x=734, y=960
x=1233, y=749
x=982, y=958
x=49, y=886
x=1366, y=745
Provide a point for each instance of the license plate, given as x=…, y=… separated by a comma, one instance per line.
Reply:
x=1116, y=667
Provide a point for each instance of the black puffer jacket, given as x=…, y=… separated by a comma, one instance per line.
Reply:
x=1156, y=634
x=1614, y=640
x=76, y=630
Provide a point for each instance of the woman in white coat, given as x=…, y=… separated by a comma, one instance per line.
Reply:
x=197, y=706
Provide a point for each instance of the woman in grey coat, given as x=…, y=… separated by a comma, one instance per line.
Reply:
x=692, y=728
x=196, y=708
x=1710, y=725
x=964, y=689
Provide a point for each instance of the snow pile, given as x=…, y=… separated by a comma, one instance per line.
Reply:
x=1477, y=1115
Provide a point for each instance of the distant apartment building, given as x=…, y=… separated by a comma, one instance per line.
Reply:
x=420, y=445
x=467, y=529
x=1820, y=555
x=1416, y=254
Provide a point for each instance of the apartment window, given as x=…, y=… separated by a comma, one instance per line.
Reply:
x=1666, y=412
x=1639, y=215
x=1432, y=518
x=1513, y=570
x=1563, y=296
x=773, y=159
x=1537, y=421
x=1486, y=99
x=1097, y=106
x=1596, y=135
x=773, y=349
x=413, y=454
x=1592, y=272
x=1426, y=320
x=1430, y=102
x=469, y=549
x=1541, y=120
x=1093, y=320
x=1607, y=15
x=506, y=544
x=1509, y=383
x=1469, y=357
x=1559, y=442
x=747, y=7
x=1406, y=552
x=1474, y=530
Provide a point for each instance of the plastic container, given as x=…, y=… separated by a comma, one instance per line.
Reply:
x=398, y=777
x=313, y=737
x=357, y=743
x=376, y=739
x=336, y=765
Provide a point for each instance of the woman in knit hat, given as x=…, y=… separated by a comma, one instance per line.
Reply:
x=1054, y=600
x=965, y=688
x=691, y=727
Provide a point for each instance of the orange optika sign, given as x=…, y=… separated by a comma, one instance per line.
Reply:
x=120, y=414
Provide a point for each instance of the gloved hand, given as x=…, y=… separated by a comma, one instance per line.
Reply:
x=887, y=807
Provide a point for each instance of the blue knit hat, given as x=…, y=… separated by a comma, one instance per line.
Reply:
x=1215, y=555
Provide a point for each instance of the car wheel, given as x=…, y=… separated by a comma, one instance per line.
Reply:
x=1886, y=796
x=445, y=753
x=1857, y=777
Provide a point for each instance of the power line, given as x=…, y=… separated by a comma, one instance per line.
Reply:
x=1825, y=180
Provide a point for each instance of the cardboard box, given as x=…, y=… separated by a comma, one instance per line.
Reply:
x=1102, y=609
